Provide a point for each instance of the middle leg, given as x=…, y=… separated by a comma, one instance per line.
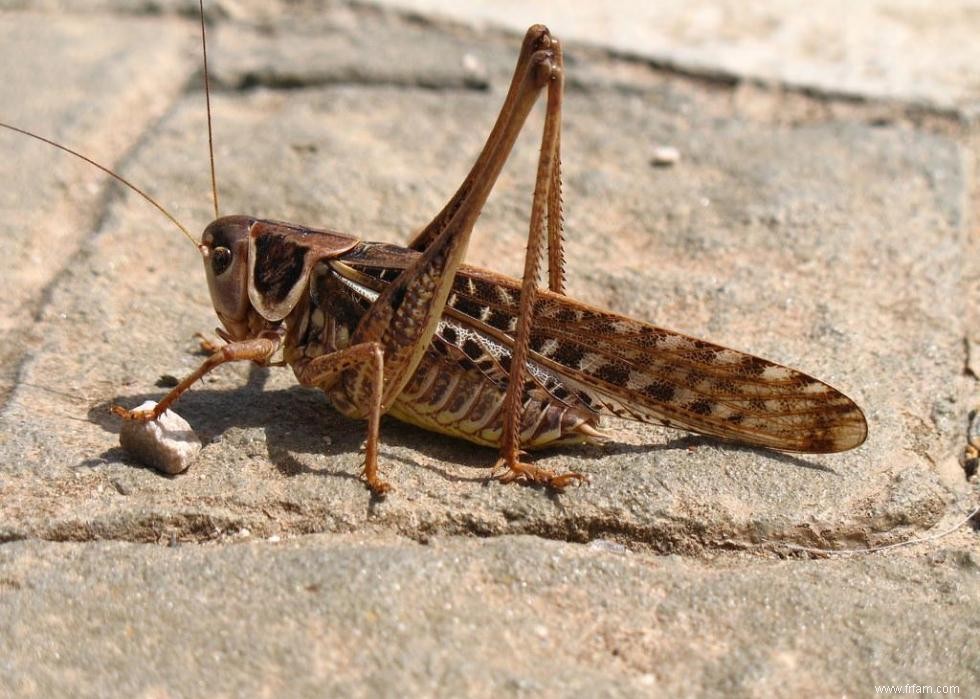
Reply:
x=327, y=370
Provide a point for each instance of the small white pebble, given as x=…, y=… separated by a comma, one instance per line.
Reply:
x=664, y=156
x=273, y=539
x=474, y=71
x=647, y=679
x=167, y=444
x=607, y=545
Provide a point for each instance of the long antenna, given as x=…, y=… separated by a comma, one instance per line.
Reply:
x=107, y=171
x=207, y=97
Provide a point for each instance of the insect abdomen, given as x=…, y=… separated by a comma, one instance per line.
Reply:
x=445, y=396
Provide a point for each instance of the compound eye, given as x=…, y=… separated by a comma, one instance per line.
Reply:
x=220, y=260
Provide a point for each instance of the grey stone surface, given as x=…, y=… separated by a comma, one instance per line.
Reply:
x=100, y=98
x=514, y=616
x=922, y=53
x=834, y=236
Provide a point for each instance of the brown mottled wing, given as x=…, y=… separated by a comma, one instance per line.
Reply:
x=635, y=370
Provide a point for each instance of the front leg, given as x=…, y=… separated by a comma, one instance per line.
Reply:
x=259, y=349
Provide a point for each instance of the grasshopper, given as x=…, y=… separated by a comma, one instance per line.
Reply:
x=415, y=333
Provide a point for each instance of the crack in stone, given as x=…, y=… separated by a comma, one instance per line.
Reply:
x=666, y=536
x=251, y=80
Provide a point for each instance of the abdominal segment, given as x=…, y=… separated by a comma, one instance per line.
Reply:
x=445, y=396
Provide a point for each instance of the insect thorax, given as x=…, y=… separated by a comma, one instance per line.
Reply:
x=448, y=392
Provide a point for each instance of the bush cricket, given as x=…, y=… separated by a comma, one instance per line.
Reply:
x=413, y=332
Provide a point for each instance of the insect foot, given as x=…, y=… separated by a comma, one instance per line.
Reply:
x=207, y=345
x=140, y=414
x=527, y=474
x=377, y=486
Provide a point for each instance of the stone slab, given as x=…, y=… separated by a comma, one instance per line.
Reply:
x=786, y=239
x=911, y=51
x=378, y=616
x=834, y=236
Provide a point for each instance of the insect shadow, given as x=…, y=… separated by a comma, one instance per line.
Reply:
x=325, y=433
x=692, y=442
x=296, y=421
